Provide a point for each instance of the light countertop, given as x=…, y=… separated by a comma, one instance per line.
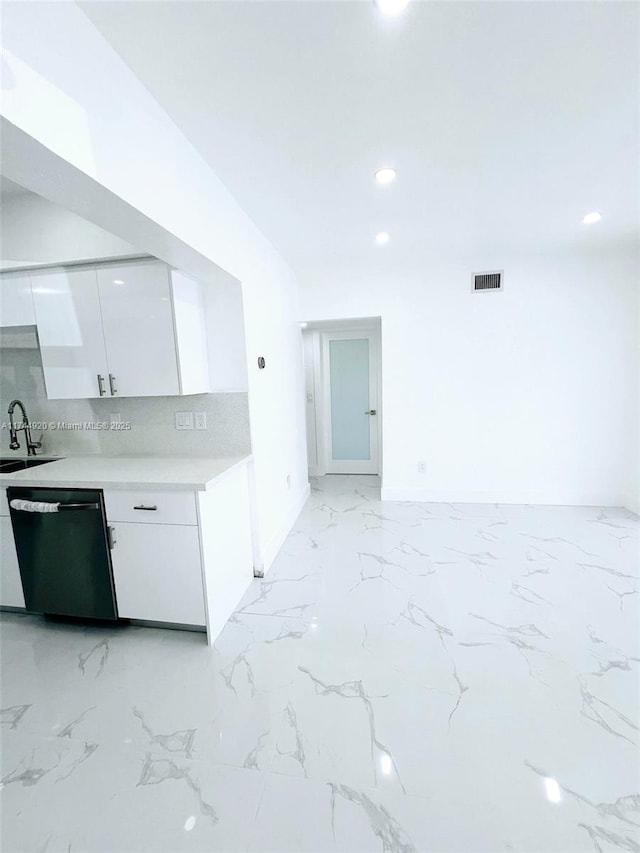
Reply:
x=126, y=472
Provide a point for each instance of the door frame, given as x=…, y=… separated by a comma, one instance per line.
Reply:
x=318, y=388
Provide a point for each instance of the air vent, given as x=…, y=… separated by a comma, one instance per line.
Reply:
x=487, y=281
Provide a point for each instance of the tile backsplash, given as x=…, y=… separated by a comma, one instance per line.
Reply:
x=152, y=425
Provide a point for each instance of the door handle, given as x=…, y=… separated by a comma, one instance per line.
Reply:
x=112, y=384
x=101, y=385
x=111, y=538
x=371, y=412
x=148, y=508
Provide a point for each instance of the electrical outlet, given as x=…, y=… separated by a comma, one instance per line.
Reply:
x=422, y=467
x=115, y=418
x=200, y=420
x=184, y=420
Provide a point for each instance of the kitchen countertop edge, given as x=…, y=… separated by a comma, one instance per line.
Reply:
x=173, y=473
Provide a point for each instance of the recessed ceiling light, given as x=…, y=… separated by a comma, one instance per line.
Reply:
x=391, y=7
x=592, y=218
x=303, y=325
x=386, y=175
x=382, y=238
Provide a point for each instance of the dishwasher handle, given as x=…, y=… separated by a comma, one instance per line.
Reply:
x=48, y=507
x=70, y=507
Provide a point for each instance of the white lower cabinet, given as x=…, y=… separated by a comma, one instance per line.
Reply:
x=157, y=572
x=11, y=594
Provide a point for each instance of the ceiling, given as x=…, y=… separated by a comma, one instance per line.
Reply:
x=10, y=190
x=506, y=121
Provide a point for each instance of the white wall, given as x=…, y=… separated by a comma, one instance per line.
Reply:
x=311, y=354
x=526, y=396
x=35, y=231
x=633, y=480
x=69, y=91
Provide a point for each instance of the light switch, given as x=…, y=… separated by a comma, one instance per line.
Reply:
x=184, y=420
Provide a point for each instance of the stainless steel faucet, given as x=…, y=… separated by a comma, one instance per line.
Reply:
x=14, y=444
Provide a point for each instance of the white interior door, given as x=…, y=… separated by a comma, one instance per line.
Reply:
x=350, y=368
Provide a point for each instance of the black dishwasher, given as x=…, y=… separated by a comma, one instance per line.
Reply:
x=63, y=551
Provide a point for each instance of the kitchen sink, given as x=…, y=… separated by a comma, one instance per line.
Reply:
x=8, y=466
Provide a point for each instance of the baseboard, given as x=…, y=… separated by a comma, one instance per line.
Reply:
x=549, y=498
x=270, y=552
x=166, y=626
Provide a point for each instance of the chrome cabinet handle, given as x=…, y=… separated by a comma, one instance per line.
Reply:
x=101, y=385
x=112, y=384
x=111, y=537
x=371, y=412
x=148, y=508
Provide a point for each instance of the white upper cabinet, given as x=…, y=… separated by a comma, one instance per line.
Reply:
x=137, y=318
x=69, y=324
x=133, y=329
x=16, y=305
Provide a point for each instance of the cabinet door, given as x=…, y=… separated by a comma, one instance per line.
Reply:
x=16, y=305
x=11, y=594
x=157, y=572
x=138, y=327
x=70, y=331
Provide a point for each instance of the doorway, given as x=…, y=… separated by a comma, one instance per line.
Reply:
x=342, y=375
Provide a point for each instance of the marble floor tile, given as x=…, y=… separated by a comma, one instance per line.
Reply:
x=447, y=678
x=307, y=815
x=66, y=794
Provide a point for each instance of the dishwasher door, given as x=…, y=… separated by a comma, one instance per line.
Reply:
x=64, y=557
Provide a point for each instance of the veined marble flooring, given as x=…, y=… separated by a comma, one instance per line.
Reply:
x=409, y=677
